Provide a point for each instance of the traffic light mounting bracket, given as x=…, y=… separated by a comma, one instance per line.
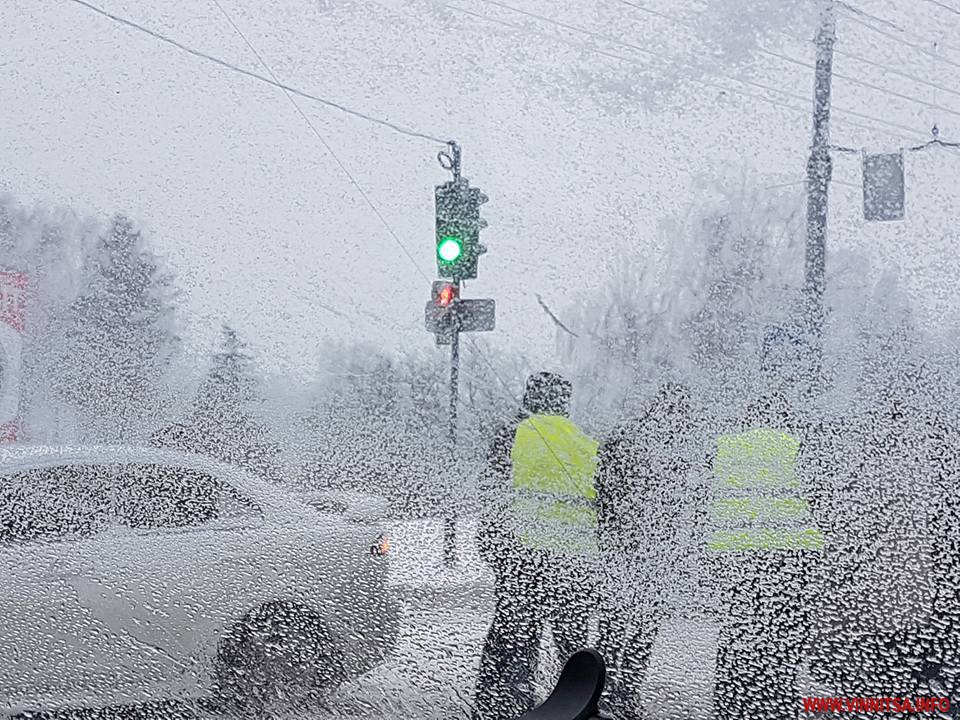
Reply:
x=451, y=161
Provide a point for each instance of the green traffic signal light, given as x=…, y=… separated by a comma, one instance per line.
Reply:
x=450, y=248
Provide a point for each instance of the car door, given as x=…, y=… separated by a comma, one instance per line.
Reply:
x=172, y=570
x=50, y=649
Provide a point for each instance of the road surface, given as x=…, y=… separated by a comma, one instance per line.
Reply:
x=446, y=613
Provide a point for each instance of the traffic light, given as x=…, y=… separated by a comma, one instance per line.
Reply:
x=441, y=311
x=444, y=293
x=458, y=229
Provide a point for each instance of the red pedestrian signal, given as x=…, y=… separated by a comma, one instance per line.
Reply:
x=447, y=296
x=445, y=293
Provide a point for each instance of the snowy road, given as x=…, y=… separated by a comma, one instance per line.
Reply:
x=433, y=672
x=446, y=613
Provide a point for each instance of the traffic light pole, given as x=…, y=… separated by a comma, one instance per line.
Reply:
x=450, y=515
x=458, y=225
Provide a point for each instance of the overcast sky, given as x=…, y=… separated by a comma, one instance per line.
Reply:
x=266, y=230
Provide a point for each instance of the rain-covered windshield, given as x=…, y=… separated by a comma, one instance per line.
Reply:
x=370, y=358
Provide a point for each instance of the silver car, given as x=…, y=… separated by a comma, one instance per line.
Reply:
x=138, y=574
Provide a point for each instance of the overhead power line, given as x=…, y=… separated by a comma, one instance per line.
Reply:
x=879, y=65
x=377, y=319
x=353, y=180
x=894, y=71
x=862, y=13
x=943, y=6
x=804, y=110
x=833, y=181
x=650, y=53
x=921, y=48
x=289, y=90
x=862, y=83
x=236, y=68
x=548, y=36
x=802, y=63
x=564, y=25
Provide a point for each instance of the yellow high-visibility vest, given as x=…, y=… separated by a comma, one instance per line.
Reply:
x=757, y=503
x=554, y=506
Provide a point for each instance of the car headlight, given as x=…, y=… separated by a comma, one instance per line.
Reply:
x=381, y=546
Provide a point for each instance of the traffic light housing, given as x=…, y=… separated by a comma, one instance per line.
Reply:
x=458, y=229
x=440, y=316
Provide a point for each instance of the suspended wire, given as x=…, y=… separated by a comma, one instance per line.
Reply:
x=925, y=50
x=936, y=141
x=383, y=322
x=943, y=6
x=862, y=13
x=786, y=185
x=728, y=77
x=657, y=13
x=313, y=128
x=801, y=63
x=296, y=105
x=548, y=36
x=621, y=58
x=290, y=91
x=893, y=70
x=804, y=110
x=874, y=63
x=862, y=83
x=235, y=68
x=574, y=28
x=356, y=316
x=294, y=91
x=833, y=181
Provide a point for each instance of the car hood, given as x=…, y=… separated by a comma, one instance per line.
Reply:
x=350, y=504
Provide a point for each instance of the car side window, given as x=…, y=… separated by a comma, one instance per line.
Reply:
x=161, y=496
x=53, y=503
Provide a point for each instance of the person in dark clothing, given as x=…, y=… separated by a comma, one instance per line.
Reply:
x=642, y=478
x=763, y=541
x=539, y=561
x=899, y=510
x=939, y=671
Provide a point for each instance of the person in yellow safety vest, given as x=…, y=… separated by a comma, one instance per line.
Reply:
x=762, y=540
x=538, y=534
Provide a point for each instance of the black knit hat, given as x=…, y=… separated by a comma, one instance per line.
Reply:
x=772, y=409
x=547, y=393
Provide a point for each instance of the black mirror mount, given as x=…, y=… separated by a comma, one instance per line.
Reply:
x=577, y=692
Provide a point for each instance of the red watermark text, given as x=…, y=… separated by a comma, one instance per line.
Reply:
x=877, y=704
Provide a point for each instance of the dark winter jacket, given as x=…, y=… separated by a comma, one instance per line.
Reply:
x=943, y=636
x=643, y=491
x=495, y=540
x=892, y=562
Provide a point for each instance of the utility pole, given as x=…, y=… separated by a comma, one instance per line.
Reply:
x=819, y=171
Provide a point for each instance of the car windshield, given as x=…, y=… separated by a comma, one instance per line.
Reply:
x=371, y=358
x=52, y=504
